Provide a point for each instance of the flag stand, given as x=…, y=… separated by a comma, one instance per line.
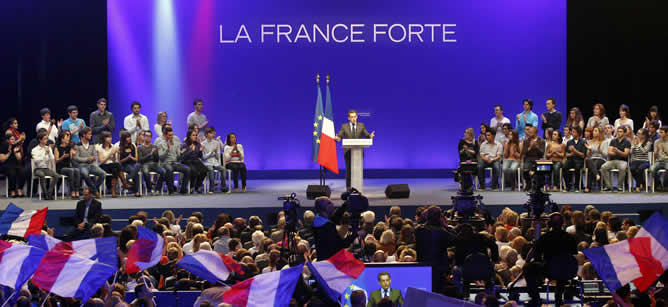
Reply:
x=322, y=176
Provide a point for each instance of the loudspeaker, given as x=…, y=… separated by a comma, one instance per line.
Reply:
x=397, y=191
x=313, y=191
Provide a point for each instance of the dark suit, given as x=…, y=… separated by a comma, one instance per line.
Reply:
x=395, y=297
x=347, y=132
x=94, y=212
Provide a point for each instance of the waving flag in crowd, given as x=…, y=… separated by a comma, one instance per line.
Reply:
x=265, y=290
x=640, y=260
x=17, y=263
x=210, y=265
x=103, y=249
x=17, y=222
x=337, y=273
x=145, y=252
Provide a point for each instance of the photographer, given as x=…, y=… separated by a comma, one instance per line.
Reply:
x=432, y=242
x=553, y=253
x=327, y=240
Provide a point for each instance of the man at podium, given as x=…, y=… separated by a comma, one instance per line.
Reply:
x=352, y=130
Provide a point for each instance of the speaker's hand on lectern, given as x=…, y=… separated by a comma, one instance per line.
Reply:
x=373, y=134
x=337, y=138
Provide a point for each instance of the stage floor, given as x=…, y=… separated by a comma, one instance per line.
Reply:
x=264, y=193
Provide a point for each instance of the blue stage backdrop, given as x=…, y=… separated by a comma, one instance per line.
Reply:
x=418, y=72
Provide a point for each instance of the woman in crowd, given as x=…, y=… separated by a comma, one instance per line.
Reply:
x=11, y=164
x=640, y=150
x=162, y=120
x=599, y=119
x=128, y=160
x=555, y=152
x=483, y=131
x=12, y=127
x=596, y=156
x=652, y=114
x=567, y=135
x=575, y=118
x=511, y=159
x=191, y=155
x=588, y=133
x=64, y=151
x=624, y=117
x=107, y=156
x=628, y=134
x=233, y=155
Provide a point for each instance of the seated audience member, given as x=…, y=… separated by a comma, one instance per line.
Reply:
x=660, y=161
x=652, y=115
x=84, y=160
x=87, y=214
x=490, y=155
x=653, y=130
x=191, y=156
x=609, y=131
x=149, y=160
x=618, y=153
x=64, y=151
x=596, y=156
x=641, y=148
x=598, y=119
x=107, y=155
x=169, y=150
x=624, y=118
x=511, y=159
x=628, y=133
x=50, y=125
x=588, y=134
x=468, y=146
x=567, y=135
x=45, y=165
x=575, y=119
x=12, y=127
x=555, y=152
x=533, y=149
x=212, y=158
x=128, y=159
x=11, y=165
x=575, y=154
x=233, y=155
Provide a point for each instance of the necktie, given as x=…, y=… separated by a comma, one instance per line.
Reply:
x=354, y=130
x=386, y=293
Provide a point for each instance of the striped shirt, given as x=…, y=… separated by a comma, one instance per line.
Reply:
x=640, y=152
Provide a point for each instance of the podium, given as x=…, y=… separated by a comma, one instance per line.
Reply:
x=356, y=170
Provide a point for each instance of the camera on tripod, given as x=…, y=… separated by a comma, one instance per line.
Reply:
x=464, y=176
x=355, y=203
x=290, y=206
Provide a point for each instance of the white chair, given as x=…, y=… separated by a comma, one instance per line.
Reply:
x=143, y=187
x=2, y=176
x=650, y=176
x=181, y=177
x=583, y=175
x=491, y=170
x=52, y=166
x=62, y=187
x=503, y=181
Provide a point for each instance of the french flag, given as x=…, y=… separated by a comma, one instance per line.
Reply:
x=327, y=153
x=69, y=275
x=17, y=222
x=103, y=249
x=17, y=263
x=210, y=265
x=265, y=290
x=641, y=259
x=145, y=252
x=335, y=274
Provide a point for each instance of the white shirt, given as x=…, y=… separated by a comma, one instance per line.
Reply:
x=42, y=156
x=628, y=121
x=54, y=131
x=157, y=130
x=130, y=124
x=106, y=152
x=497, y=124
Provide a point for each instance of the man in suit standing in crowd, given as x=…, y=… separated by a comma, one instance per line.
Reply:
x=385, y=292
x=352, y=130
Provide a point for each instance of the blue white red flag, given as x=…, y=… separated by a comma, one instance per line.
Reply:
x=335, y=274
x=265, y=290
x=18, y=222
x=102, y=250
x=145, y=252
x=17, y=263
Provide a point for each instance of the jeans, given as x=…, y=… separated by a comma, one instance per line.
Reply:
x=556, y=167
x=237, y=169
x=659, y=179
x=496, y=169
x=605, y=172
x=92, y=169
x=593, y=168
x=133, y=173
x=212, y=176
x=638, y=172
x=172, y=167
x=74, y=176
x=510, y=172
x=576, y=164
x=149, y=167
x=41, y=173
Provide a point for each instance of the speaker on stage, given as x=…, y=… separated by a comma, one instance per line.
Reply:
x=397, y=191
x=314, y=190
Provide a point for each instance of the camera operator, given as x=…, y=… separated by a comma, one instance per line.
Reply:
x=471, y=243
x=432, y=242
x=327, y=239
x=553, y=251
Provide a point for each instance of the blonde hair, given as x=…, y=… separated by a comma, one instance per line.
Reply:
x=160, y=114
x=387, y=237
x=198, y=240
